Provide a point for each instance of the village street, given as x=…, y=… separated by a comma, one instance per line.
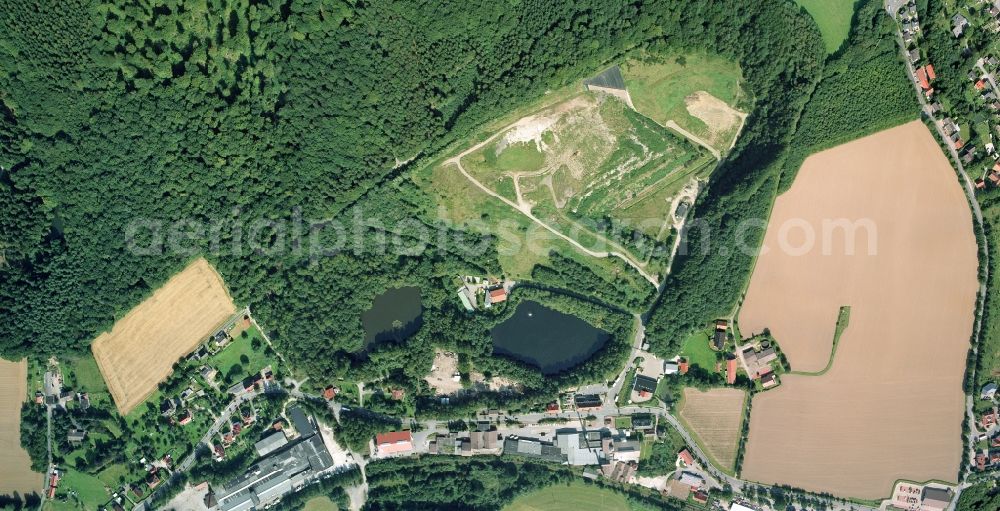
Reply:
x=893, y=6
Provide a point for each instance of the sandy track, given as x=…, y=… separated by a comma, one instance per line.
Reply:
x=15, y=466
x=139, y=351
x=525, y=209
x=891, y=404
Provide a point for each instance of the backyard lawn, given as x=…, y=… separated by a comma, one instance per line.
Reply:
x=697, y=350
x=89, y=489
x=241, y=359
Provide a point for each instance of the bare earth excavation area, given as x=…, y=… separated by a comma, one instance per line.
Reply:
x=142, y=347
x=891, y=405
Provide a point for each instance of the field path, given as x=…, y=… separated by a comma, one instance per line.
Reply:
x=694, y=138
x=526, y=211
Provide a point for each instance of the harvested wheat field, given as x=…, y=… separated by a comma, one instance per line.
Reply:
x=715, y=417
x=139, y=351
x=891, y=405
x=15, y=466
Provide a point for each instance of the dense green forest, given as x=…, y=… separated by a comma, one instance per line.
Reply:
x=844, y=104
x=228, y=129
x=980, y=497
x=452, y=482
x=276, y=139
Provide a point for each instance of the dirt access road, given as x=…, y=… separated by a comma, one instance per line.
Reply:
x=525, y=210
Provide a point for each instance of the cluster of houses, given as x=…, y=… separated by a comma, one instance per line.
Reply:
x=924, y=75
x=492, y=291
x=759, y=359
x=260, y=381
x=53, y=395
x=988, y=458
x=484, y=439
x=609, y=452
x=982, y=77
x=247, y=417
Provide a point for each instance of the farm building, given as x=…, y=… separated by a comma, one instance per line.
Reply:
x=686, y=457
x=270, y=443
x=691, y=479
x=587, y=401
x=644, y=385
x=935, y=498
x=393, y=443
x=731, y=371
x=496, y=296
x=768, y=380
x=670, y=367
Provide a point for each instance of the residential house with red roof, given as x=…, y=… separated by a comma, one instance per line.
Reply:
x=686, y=457
x=731, y=371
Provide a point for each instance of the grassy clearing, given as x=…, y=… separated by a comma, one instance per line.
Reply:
x=571, y=497
x=697, y=350
x=833, y=19
x=522, y=244
x=626, y=391
x=87, y=374
x=320, y=504
x=89, y=490
x=660, y=90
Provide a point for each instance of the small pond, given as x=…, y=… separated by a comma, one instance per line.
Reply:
x=395, y=315
x=546, y=338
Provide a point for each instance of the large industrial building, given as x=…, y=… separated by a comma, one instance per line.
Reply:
x=286, y=468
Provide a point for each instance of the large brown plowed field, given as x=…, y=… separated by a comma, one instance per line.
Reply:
x=716, y=418
x=891, y=405
x=15, y=466
x=139, y=351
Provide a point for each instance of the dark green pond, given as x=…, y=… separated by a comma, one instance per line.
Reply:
x=546, y=338
x=395, y=315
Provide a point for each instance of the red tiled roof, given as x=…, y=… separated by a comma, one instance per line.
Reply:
x=930, y=72
x=329, y=393
x=981, y=84
x=923, y=79
x=396, y=441
x=393, y=437
x=686, y=457
x=682, y=366
x=731, y=371
x=498, y=295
